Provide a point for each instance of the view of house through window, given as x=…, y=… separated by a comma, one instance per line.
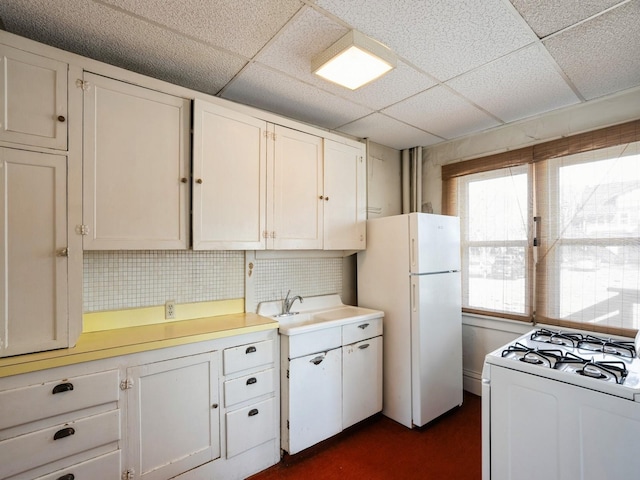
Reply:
x=585, y=268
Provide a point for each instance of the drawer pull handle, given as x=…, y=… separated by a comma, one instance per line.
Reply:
x=253, y=412
x=68, y=476
x=363, y=326
x=63, y=387
x=251, y=349
x=252, y=380
x=362, y=347
x=65, y=432
x=317, y=360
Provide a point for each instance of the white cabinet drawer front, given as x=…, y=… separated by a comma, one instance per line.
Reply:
x=105, y=467
x=35, y=402
x=247, y=356
x=26, y=452
x=250, y=426
x=314, y=342
x=355, y=332
x=249, y=386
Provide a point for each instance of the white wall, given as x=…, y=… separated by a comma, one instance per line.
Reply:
x=384, y=181
x=479, y=334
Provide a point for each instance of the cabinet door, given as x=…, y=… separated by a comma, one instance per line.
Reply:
x=173, y=417
x=229, y=172
x=296, y=203
x=361, y=380
x=315, y=399
x=33, y=236
x=33, y=99
x=136, y=167
x=345, y=196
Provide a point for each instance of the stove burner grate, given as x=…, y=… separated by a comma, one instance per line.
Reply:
x=604, y=345
x=535, y=356
x=556, y=337
x=608, y=371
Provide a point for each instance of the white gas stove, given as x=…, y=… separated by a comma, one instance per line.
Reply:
x=569, y=399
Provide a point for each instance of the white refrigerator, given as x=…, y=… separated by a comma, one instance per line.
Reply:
x=411, y=271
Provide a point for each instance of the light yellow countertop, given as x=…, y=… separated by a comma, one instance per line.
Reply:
x=97, y=345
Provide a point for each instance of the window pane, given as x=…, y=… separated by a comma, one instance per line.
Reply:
x=590, y=265
x=493, y=214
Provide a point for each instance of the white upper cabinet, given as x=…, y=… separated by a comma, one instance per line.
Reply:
x=33, y=99
x=295, y=201
x=33, y=252
x=345, y=196
x=136, y=167
x=229, y=179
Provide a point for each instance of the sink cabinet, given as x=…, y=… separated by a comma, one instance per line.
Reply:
x=331, y=378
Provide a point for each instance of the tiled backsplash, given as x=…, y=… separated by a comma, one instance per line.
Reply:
x=129, y=279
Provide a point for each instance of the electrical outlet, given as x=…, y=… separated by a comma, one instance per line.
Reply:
x=170, y=309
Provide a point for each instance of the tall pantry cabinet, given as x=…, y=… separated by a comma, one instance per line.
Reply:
x=39, y=254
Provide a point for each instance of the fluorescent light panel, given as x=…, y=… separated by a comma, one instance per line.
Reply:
x=354, y=61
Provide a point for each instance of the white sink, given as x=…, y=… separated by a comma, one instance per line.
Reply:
x=316, y=313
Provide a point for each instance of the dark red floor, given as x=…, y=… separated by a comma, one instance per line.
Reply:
x=379, y=448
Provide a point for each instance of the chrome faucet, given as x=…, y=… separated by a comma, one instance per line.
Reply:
x=287, y=303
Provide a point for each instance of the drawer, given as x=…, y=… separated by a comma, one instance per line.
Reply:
x=355, y=332
x=248, y=356
x=25, y=452
x=251, y=426
x=35, y=402
x=105, y=467
x=248, y=387
x=313, y=342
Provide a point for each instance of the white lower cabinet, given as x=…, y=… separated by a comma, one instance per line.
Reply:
x=361, y=380
x=173, y=421
x=331, y=378
x=315, y=399
x=152, y=415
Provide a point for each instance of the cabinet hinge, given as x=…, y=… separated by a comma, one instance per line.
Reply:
x=271, y=135
x=126, y=384
x=82, y=229
x=287, y=373
x=287, y=424
x=128, y=474
x=83, y=84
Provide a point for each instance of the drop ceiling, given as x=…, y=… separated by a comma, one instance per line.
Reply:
x=465, y=66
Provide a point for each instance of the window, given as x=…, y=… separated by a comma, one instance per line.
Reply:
x=584, y=193
x=494, y=212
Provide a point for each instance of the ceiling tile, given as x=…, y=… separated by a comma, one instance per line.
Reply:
x=98, y=32
x=311, y=33
x=442, y=113
x=442, y=37
x=240, y=27
x=387, y=131
x=516, y=86
x=269, y=90
x=601, y=56
x=549, y=16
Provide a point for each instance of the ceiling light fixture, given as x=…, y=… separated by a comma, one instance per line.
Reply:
x=354, y=61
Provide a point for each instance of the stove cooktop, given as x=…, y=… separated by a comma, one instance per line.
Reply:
x=600, y=363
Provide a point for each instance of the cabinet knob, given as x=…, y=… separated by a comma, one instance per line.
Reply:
x=68, y=476
x=199, y=181
x=363, y=326
x=317, y=360
x=214, y=406
x=183, y=179
x=252, y=380
x=326, y=199
x=362, y=347
x=65, y=432
x=63, y=387
x=250, y=349
x=253, y=412
x=321, y=197
x=61, y=118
